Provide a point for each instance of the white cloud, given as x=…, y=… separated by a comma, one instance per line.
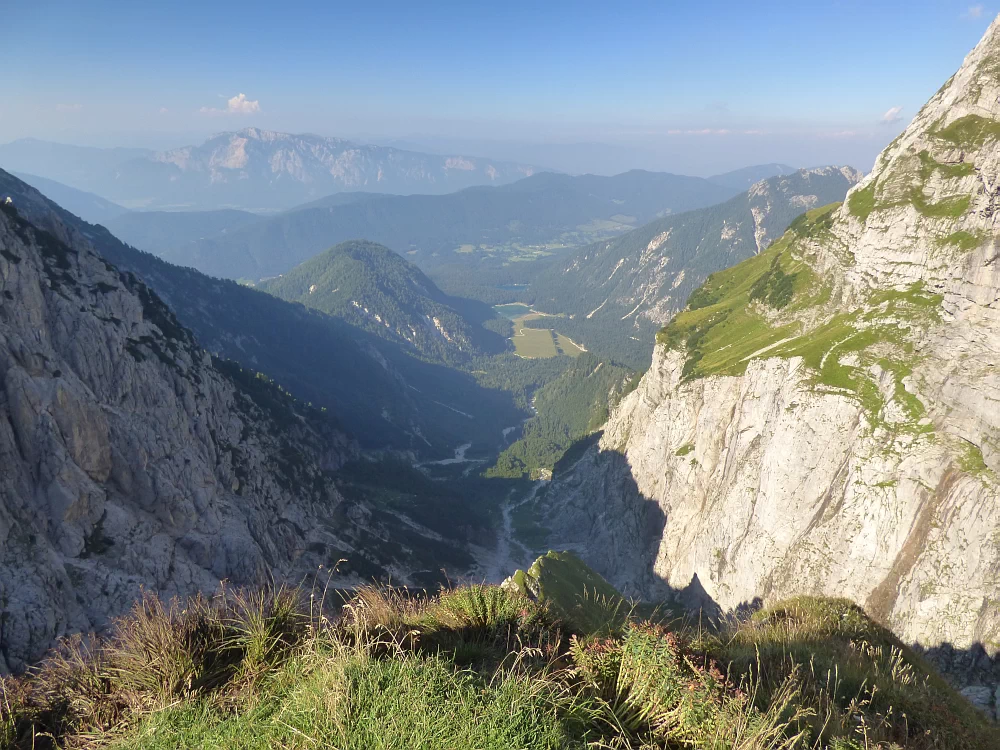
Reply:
x=974, y=12
x=891, y=116
x=237, y=105
x=68, y=107
x=163, y=110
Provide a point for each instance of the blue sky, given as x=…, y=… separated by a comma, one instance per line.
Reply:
x=804, y=82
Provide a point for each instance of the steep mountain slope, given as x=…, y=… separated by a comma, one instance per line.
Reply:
x=545, y=209
x=132, y=458
x=618, y=293
x=262, y=169
x=158, y=232
x=387, y=397
x=824, y=417
x=87, y=206
x=747, y=177
x=373, y=288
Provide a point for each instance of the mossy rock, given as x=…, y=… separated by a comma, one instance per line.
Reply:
x=573, y=592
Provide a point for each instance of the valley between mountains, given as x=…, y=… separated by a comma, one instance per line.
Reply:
x=255, y=360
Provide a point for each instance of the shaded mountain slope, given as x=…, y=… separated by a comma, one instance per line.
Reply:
x=87, y=206
x=159, y=231
x=132, y=458
x=386, y=397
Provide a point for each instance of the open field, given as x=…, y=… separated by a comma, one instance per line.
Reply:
x=536, y=343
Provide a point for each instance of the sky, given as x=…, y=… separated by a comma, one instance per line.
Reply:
x=694, y=87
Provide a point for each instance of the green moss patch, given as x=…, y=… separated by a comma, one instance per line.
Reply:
x=862, y=202
x=962, y=240
x=971, y=132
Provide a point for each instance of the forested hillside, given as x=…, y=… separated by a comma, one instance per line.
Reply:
x=567, y=408
x=374, y=289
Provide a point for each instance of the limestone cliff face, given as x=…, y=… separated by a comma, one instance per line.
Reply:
x=129, y=458
x=824, y=418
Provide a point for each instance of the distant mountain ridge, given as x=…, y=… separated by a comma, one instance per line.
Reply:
x=87, y=206
x=546, y=208
x=254, y=169
x=743, y=179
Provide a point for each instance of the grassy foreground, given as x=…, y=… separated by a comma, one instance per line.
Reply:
x=483, y=667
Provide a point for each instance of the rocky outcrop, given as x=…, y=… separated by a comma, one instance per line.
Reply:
x=823, y=419
x=130, y=458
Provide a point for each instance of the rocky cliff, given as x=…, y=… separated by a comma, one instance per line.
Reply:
x=823, y=418
x=131, y=458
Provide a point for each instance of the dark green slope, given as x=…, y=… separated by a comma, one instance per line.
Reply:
x=545, y=209
x=568, y=408
x=379, y=393
x=374, y=289
x=616, y=294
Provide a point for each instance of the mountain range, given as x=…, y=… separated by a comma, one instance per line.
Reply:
x=251, y=169
x=465, y=228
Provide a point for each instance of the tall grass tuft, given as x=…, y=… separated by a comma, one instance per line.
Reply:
x=481, y=667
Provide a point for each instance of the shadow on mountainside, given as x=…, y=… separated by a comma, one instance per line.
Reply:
x=599, y=513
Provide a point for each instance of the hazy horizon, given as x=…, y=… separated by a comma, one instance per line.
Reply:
x=578, y=88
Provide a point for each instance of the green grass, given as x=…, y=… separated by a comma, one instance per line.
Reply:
x=723, y=331
x=928, y=165
x=356, y=702
x=971, y=460
x=947, y=208
x=567, y=346
x=963, y=240
x=490, y=668
x=971, y=132
x=862, y=202
x=536, y=343
x=724, y=327
x=532, y=343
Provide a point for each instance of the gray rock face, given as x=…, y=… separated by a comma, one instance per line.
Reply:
x=867, y=469
x=129, y=459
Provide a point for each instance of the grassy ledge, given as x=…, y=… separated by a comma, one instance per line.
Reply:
x=486, y=667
